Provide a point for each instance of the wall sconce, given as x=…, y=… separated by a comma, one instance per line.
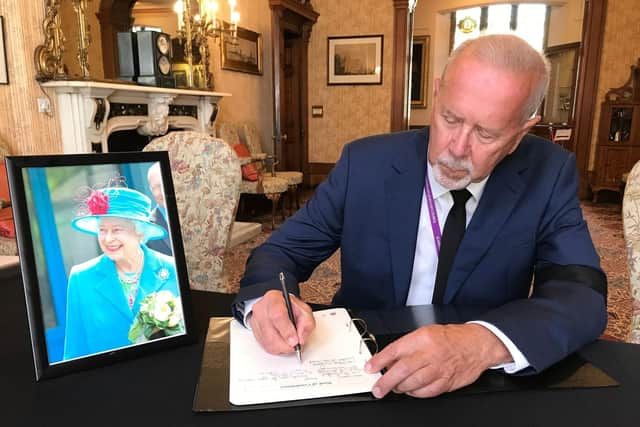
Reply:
x=200, y=27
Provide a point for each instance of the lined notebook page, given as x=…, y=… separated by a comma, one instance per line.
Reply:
x=333, y=362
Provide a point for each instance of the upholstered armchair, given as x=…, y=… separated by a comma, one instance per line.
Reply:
x=631, y=225
x=251, y=138
x=206, y=177
x=8, y=245
x=270, y=186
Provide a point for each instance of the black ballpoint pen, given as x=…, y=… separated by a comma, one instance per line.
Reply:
x=287, y=301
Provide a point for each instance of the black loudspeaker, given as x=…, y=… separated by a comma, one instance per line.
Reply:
x=154, y=59
x=126, y=56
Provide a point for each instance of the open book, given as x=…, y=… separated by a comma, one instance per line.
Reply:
x=333, y=360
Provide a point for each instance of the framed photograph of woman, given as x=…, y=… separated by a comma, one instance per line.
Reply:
x=101, y=257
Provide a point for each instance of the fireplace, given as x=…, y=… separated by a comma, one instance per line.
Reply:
x=90, y=112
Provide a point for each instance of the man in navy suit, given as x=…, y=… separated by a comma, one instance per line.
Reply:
x=526, y=252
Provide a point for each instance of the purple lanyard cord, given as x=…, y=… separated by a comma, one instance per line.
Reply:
x=433, y=214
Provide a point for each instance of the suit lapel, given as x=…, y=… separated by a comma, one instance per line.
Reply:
x=504, y=189
x=403, y=194
x=107, y=286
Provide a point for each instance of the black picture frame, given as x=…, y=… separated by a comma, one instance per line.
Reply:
x=4, y=69
x=47, y=194
x=355, y=60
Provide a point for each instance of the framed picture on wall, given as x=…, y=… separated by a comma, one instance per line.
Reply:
x=354, y=60
x=419, y=71
x=101, y=257
x=244, y=54
x=4, y=72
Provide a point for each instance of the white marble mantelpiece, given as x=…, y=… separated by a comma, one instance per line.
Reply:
x=84, y=111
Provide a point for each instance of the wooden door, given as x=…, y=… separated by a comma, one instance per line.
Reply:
x=291, y=105
x=291, y=23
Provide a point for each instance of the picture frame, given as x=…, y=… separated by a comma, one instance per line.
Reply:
x=4, y=69
x=96, y=292
x=419, y=71
x=243, y=55
x=355, y=60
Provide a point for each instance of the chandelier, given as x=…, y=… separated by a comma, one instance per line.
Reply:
x=202, y=25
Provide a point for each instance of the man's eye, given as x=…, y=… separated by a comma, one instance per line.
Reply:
x=450, y=120
x=485, y=135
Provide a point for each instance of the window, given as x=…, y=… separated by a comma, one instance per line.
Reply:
x=524, y=20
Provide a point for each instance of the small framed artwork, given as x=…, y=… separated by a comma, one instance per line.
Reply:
x=4, y=72
x=243, y=54
x=354, y=60
x=419, y=71
x=101, y=257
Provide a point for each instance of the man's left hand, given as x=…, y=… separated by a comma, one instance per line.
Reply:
x=436, y=359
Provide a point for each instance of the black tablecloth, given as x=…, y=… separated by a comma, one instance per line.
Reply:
x=157, y=390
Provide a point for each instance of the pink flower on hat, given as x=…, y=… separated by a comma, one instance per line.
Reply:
x=98, y=203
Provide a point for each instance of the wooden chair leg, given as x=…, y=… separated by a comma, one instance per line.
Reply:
x=274, y=197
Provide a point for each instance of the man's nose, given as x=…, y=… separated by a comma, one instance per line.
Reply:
x=460, y=142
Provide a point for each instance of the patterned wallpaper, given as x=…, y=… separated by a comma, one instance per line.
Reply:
x=620, y=50
x=350, y=112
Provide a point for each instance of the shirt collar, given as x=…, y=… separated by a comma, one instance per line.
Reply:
x=475, y=188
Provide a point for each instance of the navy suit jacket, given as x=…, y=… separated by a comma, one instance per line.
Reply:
x=528, y=223
x=160, y=245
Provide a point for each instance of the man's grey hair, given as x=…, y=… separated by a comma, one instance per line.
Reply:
x=510, y=53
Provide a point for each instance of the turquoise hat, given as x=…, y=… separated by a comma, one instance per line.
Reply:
x=118, y=202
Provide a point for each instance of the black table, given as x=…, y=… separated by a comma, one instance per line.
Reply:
x=157, y=390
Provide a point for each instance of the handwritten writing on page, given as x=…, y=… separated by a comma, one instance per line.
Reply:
x=333, y=360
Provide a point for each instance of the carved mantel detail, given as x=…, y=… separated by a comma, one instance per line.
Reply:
x=90, y=111
x=158, y=122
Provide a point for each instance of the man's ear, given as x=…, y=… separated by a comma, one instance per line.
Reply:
x=523, y=131
x=436, y=87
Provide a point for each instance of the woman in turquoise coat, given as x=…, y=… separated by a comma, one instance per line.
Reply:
x=104, y=293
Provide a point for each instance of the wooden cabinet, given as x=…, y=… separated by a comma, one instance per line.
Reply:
x=618, y=139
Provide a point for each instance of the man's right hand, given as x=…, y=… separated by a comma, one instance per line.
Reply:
x=271, y=326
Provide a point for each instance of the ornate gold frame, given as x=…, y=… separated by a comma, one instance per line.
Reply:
x=48, y=56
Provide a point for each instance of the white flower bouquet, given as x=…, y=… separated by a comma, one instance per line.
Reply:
x=160, y=315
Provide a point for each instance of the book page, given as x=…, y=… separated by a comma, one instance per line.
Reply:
x=333, y=360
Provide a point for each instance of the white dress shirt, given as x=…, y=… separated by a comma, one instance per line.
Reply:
x=425, y=261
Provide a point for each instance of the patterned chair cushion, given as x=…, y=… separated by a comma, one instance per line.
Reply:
x=631, y=225
x=267, y=185
x=292, y=177
x=206, y=177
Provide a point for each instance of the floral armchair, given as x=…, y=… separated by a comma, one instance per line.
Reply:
x=631, y=225
x=206, y=178
x=272, y=187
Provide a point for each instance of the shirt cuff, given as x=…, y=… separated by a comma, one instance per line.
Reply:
x=519, y=363
x=248, y=307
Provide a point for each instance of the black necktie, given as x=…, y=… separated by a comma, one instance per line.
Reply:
x=454, y=228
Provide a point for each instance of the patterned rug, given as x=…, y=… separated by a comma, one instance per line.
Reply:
x=605, y=225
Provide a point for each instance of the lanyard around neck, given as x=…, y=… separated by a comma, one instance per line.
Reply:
x=433, y=214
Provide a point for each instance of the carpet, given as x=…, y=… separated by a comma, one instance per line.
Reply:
x=604, y=222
